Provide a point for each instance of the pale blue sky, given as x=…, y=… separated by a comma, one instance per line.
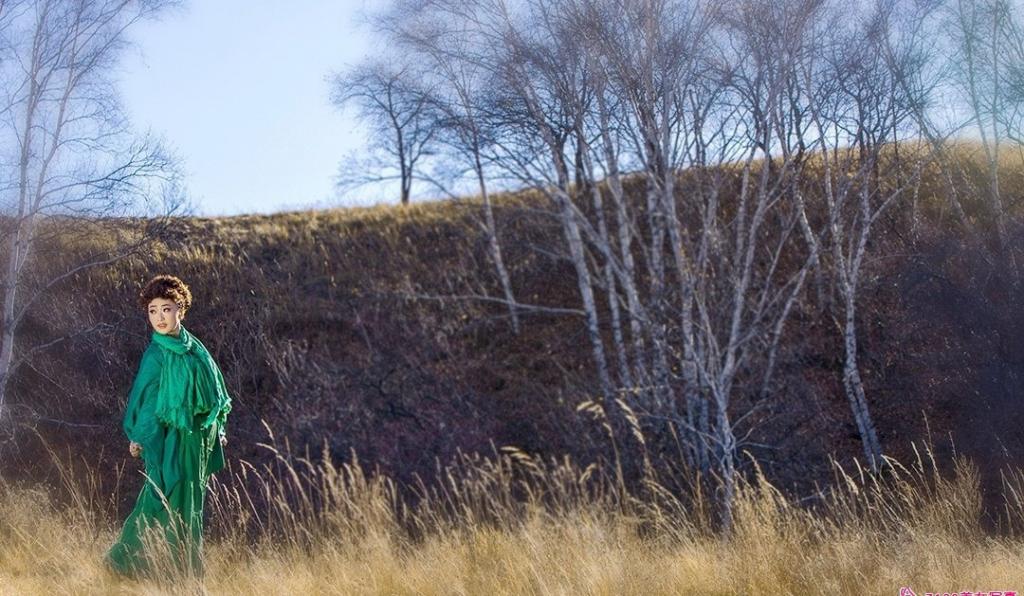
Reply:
x=237, y=88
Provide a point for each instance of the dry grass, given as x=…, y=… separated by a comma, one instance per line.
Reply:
x=509, y=524
x=502, y=525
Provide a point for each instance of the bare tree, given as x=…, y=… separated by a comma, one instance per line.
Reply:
x=647, y=58
x=990, y=44
x=70, y=159
x=585, y=89
x=856, y=90
x=958, y=65
x=912, y=50
x=399, y=113
x=464, y=126
x=544, y=73
x=763, y=140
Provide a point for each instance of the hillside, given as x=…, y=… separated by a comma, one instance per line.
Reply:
x=339, y=328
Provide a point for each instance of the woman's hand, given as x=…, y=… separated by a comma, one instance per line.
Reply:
x=223, y=440
x=135, y=449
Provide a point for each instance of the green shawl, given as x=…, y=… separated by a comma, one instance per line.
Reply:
x=176, y=382
x=190, y=383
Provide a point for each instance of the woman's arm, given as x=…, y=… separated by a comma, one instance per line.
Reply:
x=140, y=424
x=222, y=414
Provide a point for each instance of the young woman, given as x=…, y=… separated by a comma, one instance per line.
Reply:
x=174, y=419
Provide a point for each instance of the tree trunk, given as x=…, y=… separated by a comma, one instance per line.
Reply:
x=726, y=462
x=688, y=362
x=7, y=331
x=625, y=239
x=625, y=375
x=656, y=222
x=495, y=246
x=854, y=387
x=577, y=252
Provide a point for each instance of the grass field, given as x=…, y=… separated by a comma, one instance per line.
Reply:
x=511, y=525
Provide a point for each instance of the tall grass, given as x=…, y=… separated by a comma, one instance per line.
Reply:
x=512, y=524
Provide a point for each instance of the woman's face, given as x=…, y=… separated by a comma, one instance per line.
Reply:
x=164, y=316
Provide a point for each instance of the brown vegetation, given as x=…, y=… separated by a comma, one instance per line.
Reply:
x=352, y=333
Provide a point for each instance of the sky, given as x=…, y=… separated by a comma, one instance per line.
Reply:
x=238, y=89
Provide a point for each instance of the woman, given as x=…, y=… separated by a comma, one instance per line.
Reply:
x=174, y=419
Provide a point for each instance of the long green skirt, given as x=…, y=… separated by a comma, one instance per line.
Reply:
x=164, y=532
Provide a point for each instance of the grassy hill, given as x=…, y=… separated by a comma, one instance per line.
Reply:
x=356, y=329
x=392, y=434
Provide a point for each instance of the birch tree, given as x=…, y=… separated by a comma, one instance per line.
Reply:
x=717, y=112
x=399, y=113
x=989, y=54
x=854, y=95
x=464, y=124
x=69, y=156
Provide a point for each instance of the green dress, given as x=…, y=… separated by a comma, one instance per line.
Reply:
x=176, y=410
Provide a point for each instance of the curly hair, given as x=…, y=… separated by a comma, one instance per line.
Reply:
x=167, y=287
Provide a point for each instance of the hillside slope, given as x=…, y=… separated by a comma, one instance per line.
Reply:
x=333, y=329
